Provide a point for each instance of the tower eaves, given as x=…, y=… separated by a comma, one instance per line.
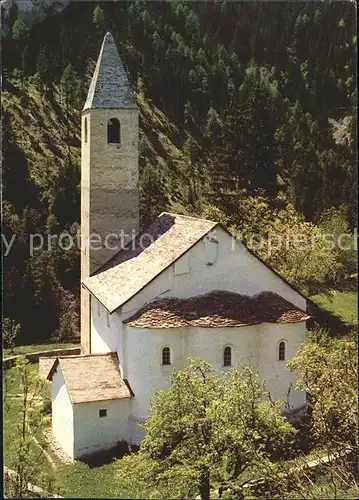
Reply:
x=109, y=87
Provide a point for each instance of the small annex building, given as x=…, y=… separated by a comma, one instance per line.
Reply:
x=84, y=386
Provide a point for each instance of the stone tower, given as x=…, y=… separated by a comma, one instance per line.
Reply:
x=109, y=170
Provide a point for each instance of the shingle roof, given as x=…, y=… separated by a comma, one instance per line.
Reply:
x=109, y=87
x=45, y=364
x=217, y=309
x=92, y=377
x=131, y=269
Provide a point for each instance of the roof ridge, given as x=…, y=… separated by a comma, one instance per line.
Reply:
x=217, y=308
x=90, y=355
x=172, y=214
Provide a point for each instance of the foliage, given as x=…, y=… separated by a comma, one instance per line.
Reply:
x=259, y=108
x=29, y=420
x=11, y=331
x=296, y=249
x=205, y=431
x=334, y=222
x=98, y=17
x=328, y=372
x=19, y=30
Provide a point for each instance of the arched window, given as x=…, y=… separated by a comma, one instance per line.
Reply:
x=113, y=131
x=227, y=356
x=85, y=129
x=281, y=351
x=166, y=356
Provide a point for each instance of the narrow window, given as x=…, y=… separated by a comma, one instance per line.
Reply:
x=227, y=356
x=108, y=319
x=98, y=308
x=166, y=356
x=113, y=131
x=85, y=129
x=281, y=351
x=102, y=413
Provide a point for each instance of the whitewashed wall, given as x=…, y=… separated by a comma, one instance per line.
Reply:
x=255, y=346
x=206, y=267
x=106, y=332
x=62, y=414
x=232, y=268
x=94, y=433
x=275, y=373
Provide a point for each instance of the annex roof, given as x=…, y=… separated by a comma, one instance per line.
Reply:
x=217, y=309
x=152, y=251
x=109, y=87
x=92, y=377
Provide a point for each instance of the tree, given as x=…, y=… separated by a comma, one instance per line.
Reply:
x=328, y=372
x=11, y=332
x=153, y=192
x=20, y=33
x=98, y=18
x=70, y=91
x=43, y=71
x=29, y=421
x=48, y=7
x=298, y=250
x=204, y=432
x=334, y=222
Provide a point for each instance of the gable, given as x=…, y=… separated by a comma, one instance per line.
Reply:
x=151, y=253
x=224, y=264
x=179, y=247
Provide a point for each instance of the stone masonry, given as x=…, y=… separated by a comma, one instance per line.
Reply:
x=109, y=172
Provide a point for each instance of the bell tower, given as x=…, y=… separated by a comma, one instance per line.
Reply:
x=109, y=171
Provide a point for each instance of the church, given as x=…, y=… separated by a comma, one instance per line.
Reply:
x=183, y=287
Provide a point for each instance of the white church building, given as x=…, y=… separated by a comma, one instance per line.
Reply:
x=183, y=287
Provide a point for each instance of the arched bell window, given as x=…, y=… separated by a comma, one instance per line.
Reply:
x=227, y=356
x=85, y=130
x=281, y=351
x=113, y=131
x=166, y=356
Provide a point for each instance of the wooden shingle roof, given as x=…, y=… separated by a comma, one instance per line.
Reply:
x=217, y=309
x=92, y=377
x=132, y=268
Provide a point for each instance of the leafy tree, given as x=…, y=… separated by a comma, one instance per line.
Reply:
x=328, y=372
x=29, y=421
x=11, y=331
x=20, y=31
x=296, y=249
x=334, y=222
x=204, y=432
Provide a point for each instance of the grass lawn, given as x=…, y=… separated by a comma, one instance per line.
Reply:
x=25, y=349
x=342, y=304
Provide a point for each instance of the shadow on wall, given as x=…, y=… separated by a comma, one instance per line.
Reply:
x=105, y=457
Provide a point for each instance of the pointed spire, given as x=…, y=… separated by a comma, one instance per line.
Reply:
x=109, y=86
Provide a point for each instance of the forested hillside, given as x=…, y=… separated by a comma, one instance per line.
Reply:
x=247, y=116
